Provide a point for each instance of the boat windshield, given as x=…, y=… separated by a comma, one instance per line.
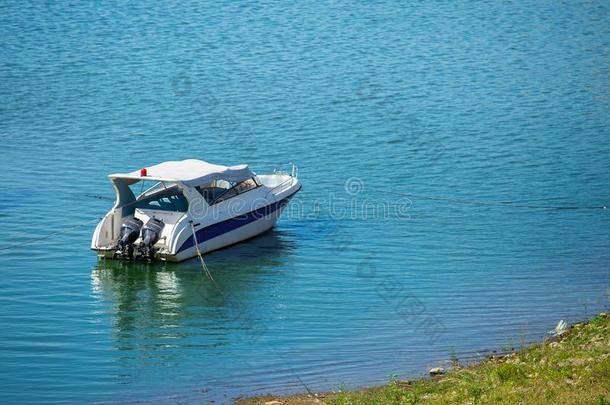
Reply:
x=221, y=190
x=163, y=199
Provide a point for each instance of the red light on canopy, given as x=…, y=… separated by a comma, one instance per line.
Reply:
x=143, y=172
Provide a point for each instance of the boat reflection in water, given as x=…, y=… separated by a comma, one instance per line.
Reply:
x=160, y=312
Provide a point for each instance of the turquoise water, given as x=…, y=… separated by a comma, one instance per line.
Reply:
x=463, y=100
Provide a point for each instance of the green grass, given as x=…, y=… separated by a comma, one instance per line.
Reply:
x=572, y=370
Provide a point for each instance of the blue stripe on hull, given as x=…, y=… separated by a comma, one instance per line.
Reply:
x=228, y=225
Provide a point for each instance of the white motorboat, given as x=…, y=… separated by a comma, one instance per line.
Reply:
x=190, y=206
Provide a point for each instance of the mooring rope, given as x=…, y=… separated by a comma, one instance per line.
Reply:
x=58, y=233
x=203, y=265
x=510, y=204
x=100, y=197
x=206, y=270
x=462, y=201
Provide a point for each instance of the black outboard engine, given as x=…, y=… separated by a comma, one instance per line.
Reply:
x=151, y=232
x=130, y=230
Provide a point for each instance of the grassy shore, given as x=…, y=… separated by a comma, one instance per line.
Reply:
x=571, y=369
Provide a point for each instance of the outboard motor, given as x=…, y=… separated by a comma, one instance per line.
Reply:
x=130, y=230
x=151, y=232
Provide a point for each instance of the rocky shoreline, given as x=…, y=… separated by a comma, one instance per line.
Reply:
x=571, y=366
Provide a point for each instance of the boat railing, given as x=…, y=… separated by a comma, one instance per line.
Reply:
x=293, y=174
x=293, y=170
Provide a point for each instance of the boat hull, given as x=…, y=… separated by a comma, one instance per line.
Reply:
x=224, y=233
x=229, y=238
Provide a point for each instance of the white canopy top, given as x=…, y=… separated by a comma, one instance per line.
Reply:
x=191, y=172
